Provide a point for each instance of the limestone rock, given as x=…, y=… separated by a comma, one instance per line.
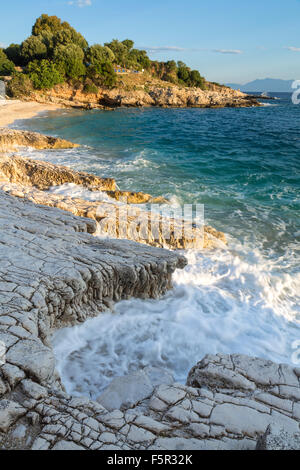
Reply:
x=10, y=411
x=126, y=392
x=277, y=438
x=125, y=221
x=53, y=274
x=156, y=93
x=11, y=139
x=43, y=175
x=67, y=445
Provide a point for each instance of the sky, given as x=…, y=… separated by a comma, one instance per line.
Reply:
x=228, y=41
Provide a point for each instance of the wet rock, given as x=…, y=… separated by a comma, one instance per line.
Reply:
x=43, y=175
x=125, y=221
x=11, y=139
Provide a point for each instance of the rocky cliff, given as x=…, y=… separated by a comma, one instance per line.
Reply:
x=53, y=274
x=159, y=94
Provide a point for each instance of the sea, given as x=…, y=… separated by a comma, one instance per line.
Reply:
x=243, y=164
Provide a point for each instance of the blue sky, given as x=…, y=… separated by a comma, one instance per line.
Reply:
x=226, y=40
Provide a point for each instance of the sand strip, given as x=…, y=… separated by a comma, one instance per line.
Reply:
x=10, y=111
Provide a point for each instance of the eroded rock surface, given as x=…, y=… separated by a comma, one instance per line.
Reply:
x=43, y=175
x=53, y=274
x=126, y=221
x=278, y=438
x=11, y=139
x=117, y=221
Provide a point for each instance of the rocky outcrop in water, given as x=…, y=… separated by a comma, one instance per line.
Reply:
x=44, y=175
x=53, y=274
x=147, y=95
x=126, y=221
x=116, y=220
x=11, y=139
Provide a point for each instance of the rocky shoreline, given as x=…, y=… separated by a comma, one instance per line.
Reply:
x=54, y=273
x=167, y=96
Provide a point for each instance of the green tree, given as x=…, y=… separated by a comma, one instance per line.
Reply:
x=183, y=74
x=128, y=43
x=69, y=36
x=33, y=49
x=62, y=32
x=47, y=23
x=44, y=74
x=6, y=66
x=47, y=38
x=13, y=53
x=102, y=74
x=196, y=80
x=171, y=66
x=181, y=64
x=69, y=59
x=98, y=54
x=138, y=59
x=120, y=51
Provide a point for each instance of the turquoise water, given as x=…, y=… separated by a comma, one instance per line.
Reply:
x=244, y=166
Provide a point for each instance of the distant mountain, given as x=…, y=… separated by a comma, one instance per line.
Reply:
x=267, y=84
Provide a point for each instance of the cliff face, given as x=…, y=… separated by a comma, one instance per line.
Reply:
x=158, y=94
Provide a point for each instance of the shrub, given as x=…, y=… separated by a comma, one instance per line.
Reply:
x=102, y=74
x=90, y=88
x=20, y=85
x=183, y=74
x=196, y=80
x=45, y=74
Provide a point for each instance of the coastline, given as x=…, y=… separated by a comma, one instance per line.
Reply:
x=229, y=401
x=13, y=110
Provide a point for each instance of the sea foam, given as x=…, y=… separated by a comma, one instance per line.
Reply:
x=224, y=301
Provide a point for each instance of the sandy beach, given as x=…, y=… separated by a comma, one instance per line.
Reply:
x=10, y=111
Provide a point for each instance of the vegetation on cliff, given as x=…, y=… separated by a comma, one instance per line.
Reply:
x=56, y=53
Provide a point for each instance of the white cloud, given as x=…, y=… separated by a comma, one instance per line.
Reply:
x=292, y=48
x=228, y=51
x=164, y=48
x=81, y=3
x=2, y=45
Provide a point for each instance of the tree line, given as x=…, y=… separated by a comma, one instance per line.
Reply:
x=55, y=52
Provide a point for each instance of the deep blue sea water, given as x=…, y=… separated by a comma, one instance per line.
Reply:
x=244, y=166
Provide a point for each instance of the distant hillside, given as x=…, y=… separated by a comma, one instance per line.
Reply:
x=267, y=84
